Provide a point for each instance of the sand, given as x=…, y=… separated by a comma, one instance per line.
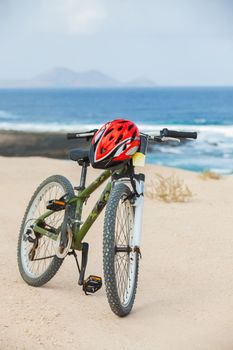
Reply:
x=185, y=293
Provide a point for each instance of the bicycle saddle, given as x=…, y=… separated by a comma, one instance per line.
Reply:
x=80, y=155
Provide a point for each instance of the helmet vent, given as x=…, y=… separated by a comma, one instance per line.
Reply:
x=119, y=139
x=110, y=138
x=120, y=128
x=130, y=127
x=108, y=131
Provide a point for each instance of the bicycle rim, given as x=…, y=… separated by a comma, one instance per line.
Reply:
x=125, y=261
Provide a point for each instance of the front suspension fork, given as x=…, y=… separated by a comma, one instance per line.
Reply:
x=138, y=204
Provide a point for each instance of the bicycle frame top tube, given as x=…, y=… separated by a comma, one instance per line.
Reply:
x=93, y=186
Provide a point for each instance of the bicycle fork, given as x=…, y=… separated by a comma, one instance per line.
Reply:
x=137, y=183
x=138, y=204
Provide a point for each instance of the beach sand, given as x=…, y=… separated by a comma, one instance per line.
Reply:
x=185, y=293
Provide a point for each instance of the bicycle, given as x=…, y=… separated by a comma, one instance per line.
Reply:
x=52, y=226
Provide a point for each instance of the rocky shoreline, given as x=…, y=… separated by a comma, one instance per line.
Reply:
x=51, y=145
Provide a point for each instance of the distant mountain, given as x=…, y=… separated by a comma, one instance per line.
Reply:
x=55, y=77
x=63, y=77
x=67, y=78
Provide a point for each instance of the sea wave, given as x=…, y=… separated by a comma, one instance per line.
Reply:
x=5, y=115
x=47, y=127
x=225, y=130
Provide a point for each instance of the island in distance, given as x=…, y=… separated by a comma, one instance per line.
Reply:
x=67, y=78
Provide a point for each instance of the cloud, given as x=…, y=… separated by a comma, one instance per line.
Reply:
x=73, y=16
x=160, y=18
x=53, y=16
x=175, y=18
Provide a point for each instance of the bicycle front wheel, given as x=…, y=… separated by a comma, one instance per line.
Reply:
x=120, y=261
x=37, y=260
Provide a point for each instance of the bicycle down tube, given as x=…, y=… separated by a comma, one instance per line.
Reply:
x=79, y=233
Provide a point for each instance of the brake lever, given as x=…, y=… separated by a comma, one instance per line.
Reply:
x=165, y=139
x=161, y=139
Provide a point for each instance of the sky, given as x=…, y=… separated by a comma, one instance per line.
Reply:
x=173, y=42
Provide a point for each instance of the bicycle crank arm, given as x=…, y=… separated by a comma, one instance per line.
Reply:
x=85, y=248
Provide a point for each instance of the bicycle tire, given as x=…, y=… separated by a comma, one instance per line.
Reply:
x=28, y=272
x=120, y=299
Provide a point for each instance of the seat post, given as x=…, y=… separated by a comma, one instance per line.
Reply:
x=83, y=176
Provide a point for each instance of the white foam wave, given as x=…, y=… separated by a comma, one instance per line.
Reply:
x=7, y=115
x=50, y=127
x=200, y=120
x=3, y=114
x=203, y=130
x=170, y=150
x=226, y=130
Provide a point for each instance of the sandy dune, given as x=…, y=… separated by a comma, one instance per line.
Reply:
x=185, y=294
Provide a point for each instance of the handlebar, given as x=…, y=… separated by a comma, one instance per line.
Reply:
x=165, y=135
x=178, y=134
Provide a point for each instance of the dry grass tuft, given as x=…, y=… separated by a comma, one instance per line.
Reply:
x=209, y=175
x=167, y=189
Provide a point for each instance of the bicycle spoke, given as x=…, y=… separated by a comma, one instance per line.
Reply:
x=123, y=260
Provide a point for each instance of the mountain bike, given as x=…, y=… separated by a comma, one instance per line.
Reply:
x=52, y=227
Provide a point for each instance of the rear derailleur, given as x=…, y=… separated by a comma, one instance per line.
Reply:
x=34, y=241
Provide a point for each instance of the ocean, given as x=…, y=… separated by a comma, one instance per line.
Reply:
x=209, y=111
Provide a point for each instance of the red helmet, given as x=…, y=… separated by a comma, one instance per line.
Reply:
x=113, y=143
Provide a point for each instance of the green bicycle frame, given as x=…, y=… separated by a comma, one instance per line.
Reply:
x=79, y=233
x=80, y=229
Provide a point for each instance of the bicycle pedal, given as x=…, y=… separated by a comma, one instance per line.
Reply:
x=56, y=205
x=92, y=284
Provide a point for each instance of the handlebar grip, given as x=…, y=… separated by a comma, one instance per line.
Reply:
x=81, y=135
x=71, y=136
x=178, y=134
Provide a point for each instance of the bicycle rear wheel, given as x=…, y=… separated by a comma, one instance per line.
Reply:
x=37, y=260
x=120, y=261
